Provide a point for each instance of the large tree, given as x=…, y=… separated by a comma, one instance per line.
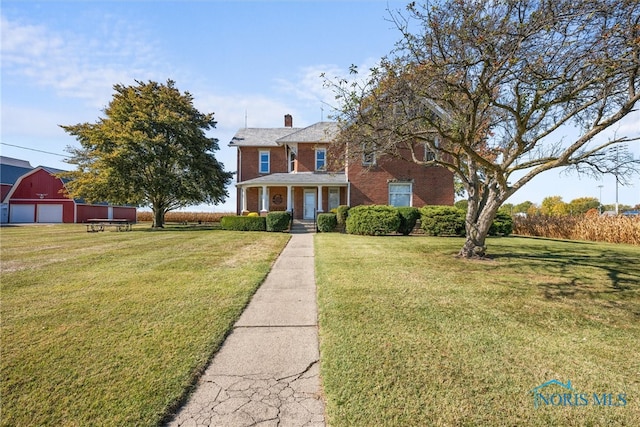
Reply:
x=150, y=150
x=500, y=91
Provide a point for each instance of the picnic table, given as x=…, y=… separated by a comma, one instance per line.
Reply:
x=95, y=225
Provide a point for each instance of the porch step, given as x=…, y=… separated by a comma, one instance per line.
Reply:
x=303, y=226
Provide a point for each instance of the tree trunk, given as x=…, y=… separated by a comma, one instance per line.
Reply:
x=474, y=246
x=481, y=211
x=158, y=218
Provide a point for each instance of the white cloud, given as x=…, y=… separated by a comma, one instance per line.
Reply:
x=309, y=85
x=74, y=65
x=16, y=119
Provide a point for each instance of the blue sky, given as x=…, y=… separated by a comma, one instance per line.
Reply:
x=241, y=60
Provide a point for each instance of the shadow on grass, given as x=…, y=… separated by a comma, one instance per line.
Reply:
x=585, y=270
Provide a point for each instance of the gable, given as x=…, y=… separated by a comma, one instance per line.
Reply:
x=37, y=184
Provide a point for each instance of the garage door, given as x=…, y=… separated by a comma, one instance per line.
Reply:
x=49, y=213
x=22, y=213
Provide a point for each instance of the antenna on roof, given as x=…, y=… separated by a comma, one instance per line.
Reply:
x=245, y=118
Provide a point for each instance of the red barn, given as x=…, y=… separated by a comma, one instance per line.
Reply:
x=38, y=196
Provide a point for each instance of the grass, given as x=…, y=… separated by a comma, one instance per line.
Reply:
x=112, y=328
x=411, y=335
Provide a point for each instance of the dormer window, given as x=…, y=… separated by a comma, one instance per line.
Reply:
x=321, y=159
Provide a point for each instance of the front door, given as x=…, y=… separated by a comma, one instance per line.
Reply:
x=309, y=208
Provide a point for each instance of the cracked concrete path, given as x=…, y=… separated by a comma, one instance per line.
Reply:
x=267, y=371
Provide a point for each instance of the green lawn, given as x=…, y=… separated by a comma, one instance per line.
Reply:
x=412, y=336
x=111, y=328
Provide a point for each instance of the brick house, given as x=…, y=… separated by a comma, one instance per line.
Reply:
x=286, y=169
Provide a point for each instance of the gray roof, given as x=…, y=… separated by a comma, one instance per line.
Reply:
x=319, y=132
x=260, y=137
x=273, y=137
x=10, y=161
x=300, y=178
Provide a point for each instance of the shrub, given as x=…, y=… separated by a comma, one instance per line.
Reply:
x=244, y=223
x=502, y=224
x=341, y=214
x=253, y=214
x=442, y=220
x=278, y=221
x=408, y=218
x=374, y=220
x=327, y=222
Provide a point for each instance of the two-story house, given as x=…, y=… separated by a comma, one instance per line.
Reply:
x=287, y=168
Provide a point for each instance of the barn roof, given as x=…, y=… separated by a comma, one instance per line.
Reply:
x=11, y=169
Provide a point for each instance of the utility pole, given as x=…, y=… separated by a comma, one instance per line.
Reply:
x=600, y=199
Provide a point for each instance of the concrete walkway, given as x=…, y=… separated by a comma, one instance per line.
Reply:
x=267, y=371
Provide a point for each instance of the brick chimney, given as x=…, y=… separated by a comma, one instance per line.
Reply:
x=288, y=121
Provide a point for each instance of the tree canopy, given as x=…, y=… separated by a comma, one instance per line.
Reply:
x=500, y=91
x=150, y=149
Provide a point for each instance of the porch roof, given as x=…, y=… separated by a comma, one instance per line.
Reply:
x=297, y=179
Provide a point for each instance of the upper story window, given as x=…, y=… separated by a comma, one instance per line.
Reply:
x=429, y=154
x=368, y=156
x=400, y=193
x=321, y=159
x=263, y=165
x=292, y=161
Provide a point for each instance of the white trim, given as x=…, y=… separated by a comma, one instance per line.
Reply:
x=320, y=199
x=260, y=153
x=398, y=184
x=324, y=159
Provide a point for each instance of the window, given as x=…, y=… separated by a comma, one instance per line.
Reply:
x=334, y=198
x=429, y=154
x=400, y=193
x=263, y=166
x=292, y=161
x=368, y=156
x=321, y=159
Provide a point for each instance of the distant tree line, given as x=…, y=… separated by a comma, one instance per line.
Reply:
x=555, y=206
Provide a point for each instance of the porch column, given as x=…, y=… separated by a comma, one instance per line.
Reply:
x=289, y=199
x=244, y=200
x=320, y=199
x=265, y=199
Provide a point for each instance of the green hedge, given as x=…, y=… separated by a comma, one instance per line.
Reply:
x=244, y=223
x=278, y=221
x=327, y=222
x=408, y=218
x=342, y=212
x=442, y=220
x=373, y=220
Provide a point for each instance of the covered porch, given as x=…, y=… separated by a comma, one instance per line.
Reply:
x=305, y=194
